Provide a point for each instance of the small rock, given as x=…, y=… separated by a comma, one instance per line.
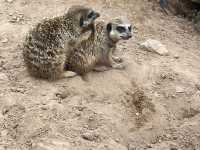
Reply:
x=179, y=90
x=80, y=108
x=198, y=86
x=17, y=17
x=176, y=56
x=173, y=96
x=4, y=133
x=117, y=140
x=9, y=1
x=3, y=77
x=137, y=114
x=63, y=94
x=90, y=136
x=168, y=136
x=163, y=76
x=5, y=40
x=44, y=107
x=5, y=110
x=18, y=90
x=12, y=21
x=155, y=46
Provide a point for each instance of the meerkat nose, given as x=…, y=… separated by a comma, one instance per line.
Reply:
x=130, y=36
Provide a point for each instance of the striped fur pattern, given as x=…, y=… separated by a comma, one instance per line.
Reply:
x=45, y=47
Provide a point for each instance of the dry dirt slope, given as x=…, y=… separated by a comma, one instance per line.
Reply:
x=153, y=104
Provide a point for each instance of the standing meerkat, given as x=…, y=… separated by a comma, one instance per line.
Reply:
x=45, y=47
x=98, y=49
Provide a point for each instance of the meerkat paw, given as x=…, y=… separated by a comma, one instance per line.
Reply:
x=117, y=59
x=119, y=66
x=69, y=74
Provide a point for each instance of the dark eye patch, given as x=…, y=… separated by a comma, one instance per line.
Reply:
x=81, y=21
x=130, y=28
x=91, y=14
x=121, y=29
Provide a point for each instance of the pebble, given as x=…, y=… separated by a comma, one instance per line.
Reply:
x=4, y=133
x=9, y=1
x=5, y=40
x=3, y=77
x=90, y=136
x=117, y=140
x=137, y=114
x=179, y=90
x=17, y=17
x=62, y=95
x=163, y=76
x=198, y=86
x=154, y=46
x=176, y=56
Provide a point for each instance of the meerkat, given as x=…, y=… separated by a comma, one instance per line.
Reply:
x=45, y=50
x=98, y=49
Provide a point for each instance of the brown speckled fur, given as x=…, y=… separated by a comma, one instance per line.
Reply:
x=97, y=50
x=45, y=49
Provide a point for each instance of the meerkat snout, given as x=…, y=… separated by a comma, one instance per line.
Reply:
x=119, y=30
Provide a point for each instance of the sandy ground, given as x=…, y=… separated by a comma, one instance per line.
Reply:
x=153, y=104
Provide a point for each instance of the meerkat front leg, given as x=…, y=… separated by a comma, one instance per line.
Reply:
x=116, y=58
x=112, y=62
x=109, y=61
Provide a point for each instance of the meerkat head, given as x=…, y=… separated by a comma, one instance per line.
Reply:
x=119, y=29
x=83, y=16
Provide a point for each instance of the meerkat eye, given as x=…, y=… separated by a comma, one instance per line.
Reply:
x=121, y=29
x=91, y=14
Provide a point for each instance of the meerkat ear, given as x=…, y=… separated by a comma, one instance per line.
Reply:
x=109, y=27
x=81, y=21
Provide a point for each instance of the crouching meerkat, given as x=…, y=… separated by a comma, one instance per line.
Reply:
x=98, y=49
x=45, y=46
